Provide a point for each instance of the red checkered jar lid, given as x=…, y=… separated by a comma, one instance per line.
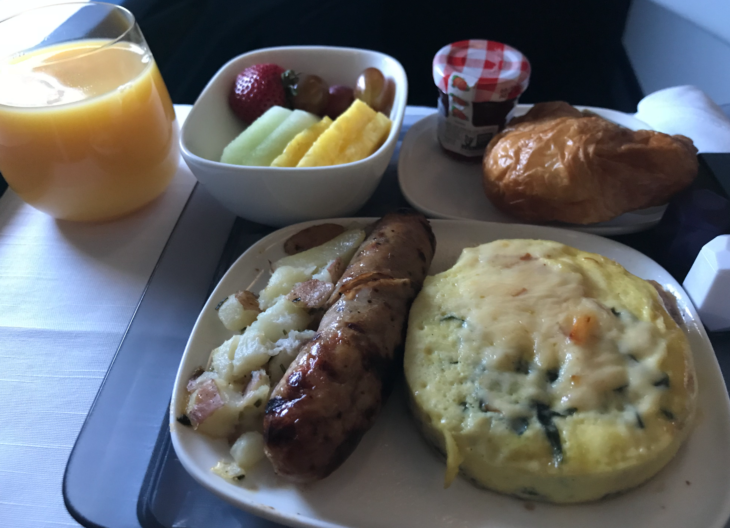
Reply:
x=481, y=71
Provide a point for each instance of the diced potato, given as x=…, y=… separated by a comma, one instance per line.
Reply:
x=325, y=275
x=258, y=343
x=290, y=271
x=248, y=450
x=221, y=359
x=252, y=352
x=287, y=349
x=238, y=311
x=252, y=419
x=282, y=318
x=282, y=281
x=330, y=146
x=213, y=408
x=197, y=381
x=229, y=471
x=342, y=246
x=298, y=147
x=372, y=137
x=256, y=393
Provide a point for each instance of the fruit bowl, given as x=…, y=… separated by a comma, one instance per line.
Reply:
x=280, y=196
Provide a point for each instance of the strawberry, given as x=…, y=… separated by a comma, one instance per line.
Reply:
x=258, y=88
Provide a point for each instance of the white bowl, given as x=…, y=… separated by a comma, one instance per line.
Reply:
x=280, y=196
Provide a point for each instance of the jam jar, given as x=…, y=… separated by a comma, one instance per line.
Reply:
x=479, y=83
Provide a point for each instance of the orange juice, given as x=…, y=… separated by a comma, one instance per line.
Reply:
x=87, y=129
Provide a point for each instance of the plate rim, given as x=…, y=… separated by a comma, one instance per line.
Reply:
x=212, y=482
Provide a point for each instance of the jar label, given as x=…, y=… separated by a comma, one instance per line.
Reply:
x=457, y=133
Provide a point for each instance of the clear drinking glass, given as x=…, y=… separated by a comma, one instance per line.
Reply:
x=87, y=128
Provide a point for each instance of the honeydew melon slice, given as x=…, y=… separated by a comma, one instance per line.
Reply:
x=238, y=150
x=271, y=147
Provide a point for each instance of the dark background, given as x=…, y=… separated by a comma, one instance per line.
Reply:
x=574, y=46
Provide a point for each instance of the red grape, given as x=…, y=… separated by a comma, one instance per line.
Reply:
x=375, y=90
x=340, y=99
x=311, y=94
x=369, y=85
x=387, y=97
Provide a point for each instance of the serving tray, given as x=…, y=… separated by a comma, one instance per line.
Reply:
x=123, y=472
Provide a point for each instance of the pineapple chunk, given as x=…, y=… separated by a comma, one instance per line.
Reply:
x=333, y=142
x=298, y=147
x=373, y=135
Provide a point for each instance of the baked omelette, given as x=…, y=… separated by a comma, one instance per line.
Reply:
x=547, y=372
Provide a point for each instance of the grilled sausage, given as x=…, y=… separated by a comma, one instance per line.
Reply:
x=332, y=392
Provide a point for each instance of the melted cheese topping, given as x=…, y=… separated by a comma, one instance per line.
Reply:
x=526, y=339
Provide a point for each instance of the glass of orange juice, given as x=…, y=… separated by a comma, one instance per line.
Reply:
x=87, y=128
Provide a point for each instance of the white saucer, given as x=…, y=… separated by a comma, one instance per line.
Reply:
x=442, y=187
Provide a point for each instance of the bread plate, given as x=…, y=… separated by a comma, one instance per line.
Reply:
x=394, y=479
x=442, y=187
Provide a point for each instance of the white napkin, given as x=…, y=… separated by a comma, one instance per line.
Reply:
x=689, y=111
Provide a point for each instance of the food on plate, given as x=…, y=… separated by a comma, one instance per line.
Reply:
x=479, y=83
x=301, y=143
x=339, y=100
x=547, y=372
x=354, y=135
x=326, y=255
x=241, y=147
x=374, y=89
x=311, y=237
x=558, y=164
x=330, y=395
x=227, y=398
x=547, y=111
x=238, y=310
x=256, y=89
x=310, y=93
x=246, y=452
x=274, y=144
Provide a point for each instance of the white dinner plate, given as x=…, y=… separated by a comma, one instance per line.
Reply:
x=393, y=479
x=442, y=187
